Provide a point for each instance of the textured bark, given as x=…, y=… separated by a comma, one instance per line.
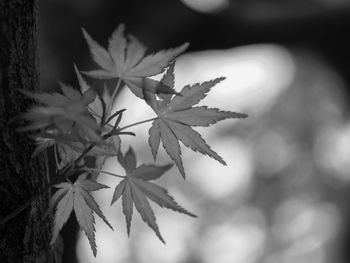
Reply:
x=26, y=237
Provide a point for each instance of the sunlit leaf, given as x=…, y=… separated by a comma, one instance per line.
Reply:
x=125, y=59
x=136, y=189
x=176, y=115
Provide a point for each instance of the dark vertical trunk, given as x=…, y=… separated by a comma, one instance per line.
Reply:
x=26, y=237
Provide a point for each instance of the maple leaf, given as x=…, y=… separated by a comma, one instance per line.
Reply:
x=100, y=101
x=69, y=151
x=63, y=112
x=125, y=59
x=136, y=189
x=77, y=197
x=95, y=107
x=176, y=115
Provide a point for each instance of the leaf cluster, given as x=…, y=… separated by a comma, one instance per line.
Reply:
x=82, y=124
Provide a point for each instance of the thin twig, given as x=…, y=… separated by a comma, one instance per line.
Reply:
x=101, y=171
x=136, y=123
x=119, y=112
x=114, y=94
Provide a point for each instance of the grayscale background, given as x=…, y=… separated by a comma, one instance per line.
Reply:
x=284, y=195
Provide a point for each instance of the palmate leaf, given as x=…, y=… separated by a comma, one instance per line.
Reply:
x=110, y=147
x=63, y=112
x=176, y=115
x=136, y=189
x=125, y=59
x=96, y=107
x=77, y=197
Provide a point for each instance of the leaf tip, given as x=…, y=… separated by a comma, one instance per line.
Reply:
x=76, y=69
x=237, y=115
x=159, y=236
x=162, y=239
x=186, y=45
x=24, y=92
x=84, y=31
x=87, y=73
x=85, y=34
x=183, y=175
x=121, y=27
x=219, y=79
x=109, y=225
x=183, y=47
x=181, y=170
x=113, y=200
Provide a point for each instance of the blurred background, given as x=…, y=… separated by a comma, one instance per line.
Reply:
x=283, y=197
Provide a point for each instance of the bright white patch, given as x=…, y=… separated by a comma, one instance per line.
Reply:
x=111, y=247
x=218, y=181
x=332, y=151
x=298, y=217
x=303, y=228
x=238, y=241
x=177, y=230
x=206, y=6
x=255, y=76
x=274, y=152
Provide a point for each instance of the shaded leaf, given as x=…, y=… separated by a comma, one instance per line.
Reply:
x=99, y=54
x=64, y=200
x=64, y=111
x=77, y=197
x=85, y=219
x=155, y=63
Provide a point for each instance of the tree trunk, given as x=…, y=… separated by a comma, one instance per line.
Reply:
x=26, y=237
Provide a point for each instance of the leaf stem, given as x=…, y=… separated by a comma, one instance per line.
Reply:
x=114, y=94
x=117, y=113
x=101, y=171
x=136, y=123
x=94, y=113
